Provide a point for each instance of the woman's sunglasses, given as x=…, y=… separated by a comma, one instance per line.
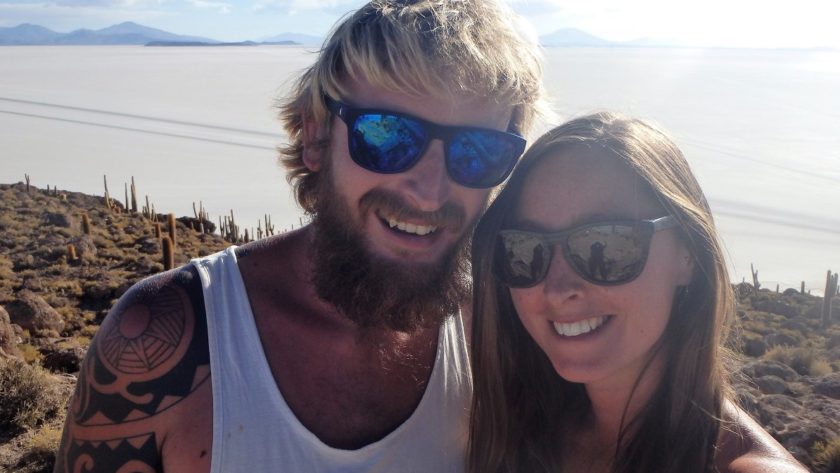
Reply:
x=603, y=253
x=388, y=142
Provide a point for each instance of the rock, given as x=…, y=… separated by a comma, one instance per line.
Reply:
x=85, y=248
x=149, y=245
x=776, y=307
x=59, y=219
x=778, y=338
x=833, y=341
x=790, y=292
x=759, y=368
x=31, y=312
x=753, y=347
x=63, y=357
x=8, y=338
x=771, y=384
x=828, y=385
x=799, y=324
x=743, y=289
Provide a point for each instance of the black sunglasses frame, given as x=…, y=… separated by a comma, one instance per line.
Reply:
x=445, y=133
x=645, y=229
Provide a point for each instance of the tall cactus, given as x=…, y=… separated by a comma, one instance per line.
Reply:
x=172, y=232
x=830, y=291
x=168, y=253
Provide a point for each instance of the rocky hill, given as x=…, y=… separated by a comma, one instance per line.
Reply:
x=66, y=257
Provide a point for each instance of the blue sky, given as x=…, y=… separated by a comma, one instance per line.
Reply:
x=733, y=23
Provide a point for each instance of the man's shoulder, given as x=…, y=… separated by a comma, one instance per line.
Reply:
x=149, y=349
x=149, y=356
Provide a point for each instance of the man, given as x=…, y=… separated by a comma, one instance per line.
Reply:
x=340, y=346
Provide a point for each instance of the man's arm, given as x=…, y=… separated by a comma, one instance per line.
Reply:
x=148, y=356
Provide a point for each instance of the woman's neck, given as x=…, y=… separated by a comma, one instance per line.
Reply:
x=618, y=400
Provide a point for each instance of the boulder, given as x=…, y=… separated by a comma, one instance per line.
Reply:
x=828, y=385
x=759, y=368
x=753, y=347
x=778, y=338
x=31, y=312
x=85, y=248
x=776, y=307
x=59, y=219
x=63, y=357
x=8, y=338
x=772, y=384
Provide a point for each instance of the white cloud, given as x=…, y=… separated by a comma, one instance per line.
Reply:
x=221, y=7
x=296, y=6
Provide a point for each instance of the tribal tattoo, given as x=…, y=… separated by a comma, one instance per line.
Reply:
x=149, y=355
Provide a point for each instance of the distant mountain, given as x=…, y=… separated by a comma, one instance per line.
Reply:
x=27, y=33
x=123, y=33
x=572, y=37
x=304, y=39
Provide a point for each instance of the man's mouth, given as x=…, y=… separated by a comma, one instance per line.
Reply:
x=407, y=227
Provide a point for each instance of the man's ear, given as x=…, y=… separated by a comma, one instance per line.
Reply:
x=313, y=149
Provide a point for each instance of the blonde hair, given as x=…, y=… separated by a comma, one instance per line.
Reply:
x=521, y=405
x=420, y=47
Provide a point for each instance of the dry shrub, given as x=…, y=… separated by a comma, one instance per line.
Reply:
x=28, y=395
x=30, y=354
x=803, y=360
x=40, y=451
x=826, y=456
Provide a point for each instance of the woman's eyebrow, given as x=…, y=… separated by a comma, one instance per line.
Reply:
x=595, y=217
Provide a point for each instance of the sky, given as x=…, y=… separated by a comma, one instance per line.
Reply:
x=721, y=23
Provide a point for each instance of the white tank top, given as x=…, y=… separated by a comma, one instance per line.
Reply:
x=254, y=430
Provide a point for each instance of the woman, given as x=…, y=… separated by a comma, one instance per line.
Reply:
x=600, y=309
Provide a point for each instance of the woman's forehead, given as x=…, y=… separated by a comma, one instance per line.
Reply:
x=574, y=187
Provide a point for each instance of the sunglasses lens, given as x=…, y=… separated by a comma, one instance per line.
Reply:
x=386, y=143
x=521, y=258
x=608, y=254
x=482, y=158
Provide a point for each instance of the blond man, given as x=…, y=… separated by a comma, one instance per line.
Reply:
x=340, y=346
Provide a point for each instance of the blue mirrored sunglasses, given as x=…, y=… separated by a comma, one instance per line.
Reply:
x=389, y=142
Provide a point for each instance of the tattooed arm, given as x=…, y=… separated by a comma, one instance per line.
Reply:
x=147, y=364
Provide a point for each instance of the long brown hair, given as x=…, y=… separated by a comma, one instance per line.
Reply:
x=520, y=404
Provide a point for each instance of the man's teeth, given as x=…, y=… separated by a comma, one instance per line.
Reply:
x=580, y=327
x=411, y=227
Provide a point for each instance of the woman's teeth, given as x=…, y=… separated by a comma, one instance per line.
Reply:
x=579, y=328
x=411, y=227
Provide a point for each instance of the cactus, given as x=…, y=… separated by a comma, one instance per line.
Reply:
x=756, y=284
x=172, y=232
x=269, y=227
x=126, y=195
x=71, y=253
x=200, y=215
x=168, y=253
x=802, y=288
x=27, y=182
x=157, y=230
x=86, y=224
x=830, y=291
x=107, y=194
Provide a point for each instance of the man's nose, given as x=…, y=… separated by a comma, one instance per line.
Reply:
x=427, y=182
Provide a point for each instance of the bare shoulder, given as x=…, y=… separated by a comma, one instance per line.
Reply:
x=149, y=355
x=745, y=447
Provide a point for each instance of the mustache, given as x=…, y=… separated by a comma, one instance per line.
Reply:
x=450, y=215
